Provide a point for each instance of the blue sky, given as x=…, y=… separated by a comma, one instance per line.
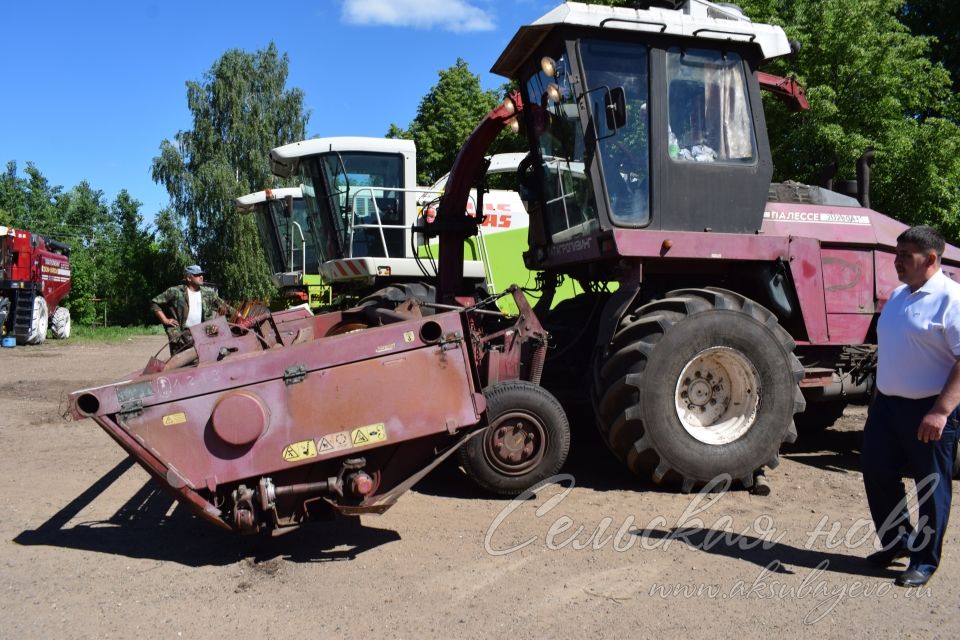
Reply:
x=92, y=88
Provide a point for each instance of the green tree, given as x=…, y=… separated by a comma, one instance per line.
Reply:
x=447, y=114
x=941, y=19
x=241, y=109
x=130, y=283
x=170, y=253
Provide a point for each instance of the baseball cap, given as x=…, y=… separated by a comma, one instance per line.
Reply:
x=193, y=270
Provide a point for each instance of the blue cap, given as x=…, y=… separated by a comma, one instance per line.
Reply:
x=193, y=270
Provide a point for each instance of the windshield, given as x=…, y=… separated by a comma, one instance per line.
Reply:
x=270, y=238
x=568, y=196
x=298, y=244
x=355, y=201
x=624, y=152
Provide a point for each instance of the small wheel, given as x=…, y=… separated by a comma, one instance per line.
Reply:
x=526, y=440
x=60, y=324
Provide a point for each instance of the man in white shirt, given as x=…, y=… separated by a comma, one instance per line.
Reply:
x=913, y=419
x=180, y=307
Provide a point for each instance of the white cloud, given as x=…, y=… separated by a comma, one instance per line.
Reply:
x=453, y=15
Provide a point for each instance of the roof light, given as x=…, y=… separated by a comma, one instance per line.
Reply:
x=548, y=66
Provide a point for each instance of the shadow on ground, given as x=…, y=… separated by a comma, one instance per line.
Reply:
x=145, y=527
x=833, y=449
x=766, y=553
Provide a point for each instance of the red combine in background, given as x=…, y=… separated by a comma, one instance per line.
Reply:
x=34, y=278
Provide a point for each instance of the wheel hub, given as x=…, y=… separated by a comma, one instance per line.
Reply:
x=718, y=395
x=515, y=443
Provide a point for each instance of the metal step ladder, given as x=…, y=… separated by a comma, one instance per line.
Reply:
x=23, y=313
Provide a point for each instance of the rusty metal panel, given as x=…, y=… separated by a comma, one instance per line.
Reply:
x=886, y=276
x=694, y=245
x=808, y=278
x=849, y=328
x=333, y=412
x=847, y=281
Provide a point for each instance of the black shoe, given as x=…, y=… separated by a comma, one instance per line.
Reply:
x=913, y=578
x=887, y=557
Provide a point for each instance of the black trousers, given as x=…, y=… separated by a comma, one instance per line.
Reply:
x=890, y=444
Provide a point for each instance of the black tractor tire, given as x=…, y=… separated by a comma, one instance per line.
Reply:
x=526, y=440
x=723, y=356
x=38, y=327
x=60, y=324
x=820, y=416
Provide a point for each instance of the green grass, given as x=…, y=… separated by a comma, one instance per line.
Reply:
x=113, y=334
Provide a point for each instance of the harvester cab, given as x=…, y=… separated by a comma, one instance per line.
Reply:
x=290, y=243
x=361, y=200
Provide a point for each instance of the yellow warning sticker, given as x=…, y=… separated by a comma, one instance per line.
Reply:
x=370, y=434
x=408, y=336
x=174, y=418
x=333, y=442
x=300, y=451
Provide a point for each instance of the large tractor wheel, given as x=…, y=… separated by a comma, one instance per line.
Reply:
x=526, y=440
x=700, y=383
x=38, y=327
x=60, y=323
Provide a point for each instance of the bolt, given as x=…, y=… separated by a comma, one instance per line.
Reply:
x=713, y=401
x=697, y=374
x=683, y=394
x=709, y=376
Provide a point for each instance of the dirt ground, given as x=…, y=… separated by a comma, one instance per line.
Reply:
x=91, y=548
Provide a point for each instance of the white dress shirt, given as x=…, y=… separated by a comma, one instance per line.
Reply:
x=919, y=338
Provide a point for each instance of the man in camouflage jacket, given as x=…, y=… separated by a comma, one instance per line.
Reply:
x=172, y=308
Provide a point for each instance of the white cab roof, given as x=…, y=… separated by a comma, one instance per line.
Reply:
x=284, y=160
x=250, y=200
x=696, y=19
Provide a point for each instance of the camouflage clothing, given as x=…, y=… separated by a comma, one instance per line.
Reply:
x=175, y=304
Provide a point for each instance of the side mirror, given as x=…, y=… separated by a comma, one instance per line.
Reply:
x=615, y=106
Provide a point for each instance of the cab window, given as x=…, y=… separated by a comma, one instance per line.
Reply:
x=709, y=107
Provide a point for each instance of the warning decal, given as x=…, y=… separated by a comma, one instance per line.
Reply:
x=333, y=442
x=174, y=418
x=370, y=434
x=300, y=451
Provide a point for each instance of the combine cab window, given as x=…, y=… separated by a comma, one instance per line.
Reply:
x=624, y=152
x=365, y=186
x=710, y=118
x=568, y=198
x=289, y=237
